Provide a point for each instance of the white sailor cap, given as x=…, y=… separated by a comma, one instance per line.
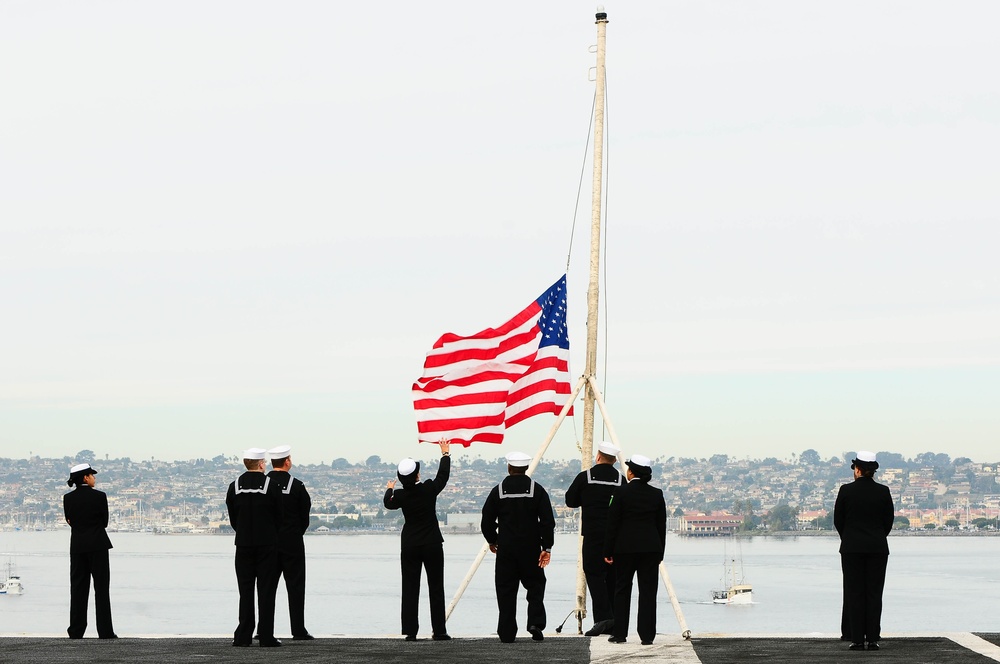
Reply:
x=518, y=459
x=640, y=460
x=254, y=453
x=607, y=447
x=280, y=452
x=80, y=467
x=407, y=467
x=865, y=461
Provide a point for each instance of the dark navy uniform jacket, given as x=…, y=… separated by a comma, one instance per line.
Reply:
x=637, y=520
x=295, y=506
x=863, y=516
x=592, y=490
x=418, y=503
x=521, y=509
x=86, y=512
x=254, y=507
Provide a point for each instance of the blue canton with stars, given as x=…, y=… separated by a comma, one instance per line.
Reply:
x=553, y=320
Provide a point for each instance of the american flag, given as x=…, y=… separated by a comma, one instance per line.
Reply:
x=473, y=388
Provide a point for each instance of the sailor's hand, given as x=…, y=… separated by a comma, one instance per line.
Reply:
x=543, y=559
x=445, y=446
x=610, y=561
x=493, y=548
x=390, y=484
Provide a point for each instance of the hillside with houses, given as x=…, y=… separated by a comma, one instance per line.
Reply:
x=705, y=496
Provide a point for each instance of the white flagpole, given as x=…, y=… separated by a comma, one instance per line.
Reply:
x=685, y=632
x=465, y=582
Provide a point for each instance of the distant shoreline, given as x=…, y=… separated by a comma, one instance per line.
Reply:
x=896, y=532
x=778, y=534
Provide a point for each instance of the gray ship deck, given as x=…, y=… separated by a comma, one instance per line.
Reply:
x=710, y=649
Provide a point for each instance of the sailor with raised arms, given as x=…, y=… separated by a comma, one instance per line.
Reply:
x=421, y=541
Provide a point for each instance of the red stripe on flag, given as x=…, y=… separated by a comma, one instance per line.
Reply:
x=461, y=400
x=438, y=426
x=485, y=354
x=433, y=384
x=489, y=333
x=538, y=409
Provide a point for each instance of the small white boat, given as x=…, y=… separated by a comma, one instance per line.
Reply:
x=12, y=585
x=738, y=594
x=737, y=590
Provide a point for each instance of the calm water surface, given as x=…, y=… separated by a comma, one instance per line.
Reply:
x=179, y=584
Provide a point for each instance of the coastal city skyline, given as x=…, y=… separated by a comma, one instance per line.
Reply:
x=708, y=496
x=424, y=453
x=248, y=229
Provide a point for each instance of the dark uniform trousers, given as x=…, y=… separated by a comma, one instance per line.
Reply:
x=513, y=567
x=430, y=557
x=864, y=579
x=292, y=566
x=600, y=578
x=82, y=566
x=256, y=565
x=644, y=566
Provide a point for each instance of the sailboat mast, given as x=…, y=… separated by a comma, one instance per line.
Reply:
x=593, y=291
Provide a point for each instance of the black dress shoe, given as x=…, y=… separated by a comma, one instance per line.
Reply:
x=536, y=633
x=237, y=644
x=857, y=646
x=609, y=627
x=270, y=643
x=303, y=637
x=615, y=639
x=410, y=637
x=647, y=643
x=109, y=636
x=441, y=637
x=873, y=646
x=596, y=630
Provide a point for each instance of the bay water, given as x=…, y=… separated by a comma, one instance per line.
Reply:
x=186, y=584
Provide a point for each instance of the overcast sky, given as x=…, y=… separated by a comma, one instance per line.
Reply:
x=231, y=224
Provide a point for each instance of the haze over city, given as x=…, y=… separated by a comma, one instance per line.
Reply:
x=231, y=224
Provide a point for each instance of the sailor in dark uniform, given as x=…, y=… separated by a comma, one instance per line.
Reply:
x=592, y=490
x=86, y=511
x=420, y=542
x=863, y=516
x=635, y=542
x=253, y=501
x=295, y=504
x=519, y=526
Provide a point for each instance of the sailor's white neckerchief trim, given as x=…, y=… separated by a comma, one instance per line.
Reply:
x=593, y=480
x=530, y=493
x=267, y=481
